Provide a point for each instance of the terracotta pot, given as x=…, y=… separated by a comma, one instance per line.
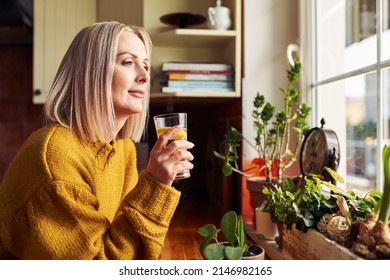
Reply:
x=255, y=186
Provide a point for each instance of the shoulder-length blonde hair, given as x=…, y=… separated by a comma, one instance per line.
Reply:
x=80, y=97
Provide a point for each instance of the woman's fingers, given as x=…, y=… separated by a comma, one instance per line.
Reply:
x=163, y=139
x=167, y=158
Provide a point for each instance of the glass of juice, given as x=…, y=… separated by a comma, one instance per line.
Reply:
x=166, y=121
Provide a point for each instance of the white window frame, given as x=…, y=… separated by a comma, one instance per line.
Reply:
x=310, y=81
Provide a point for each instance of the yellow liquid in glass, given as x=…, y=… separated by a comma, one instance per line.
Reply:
x=181, y=135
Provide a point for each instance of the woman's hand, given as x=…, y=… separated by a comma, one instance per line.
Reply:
x=166, y=160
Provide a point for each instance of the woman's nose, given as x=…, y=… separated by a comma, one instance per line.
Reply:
x=143, y=75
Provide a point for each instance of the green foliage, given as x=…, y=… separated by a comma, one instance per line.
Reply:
x=273, y=131
x=233, y=246
x=297, y=201
x=385, y=201
x=302, y=201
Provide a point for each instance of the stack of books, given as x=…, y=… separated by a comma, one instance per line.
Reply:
x=197, y=77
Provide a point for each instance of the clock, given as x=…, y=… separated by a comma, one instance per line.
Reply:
x=320, y=148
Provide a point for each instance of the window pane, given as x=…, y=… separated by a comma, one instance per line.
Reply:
x=349, y=108
x=386, y=33
x=386, y=107
x=346, y=31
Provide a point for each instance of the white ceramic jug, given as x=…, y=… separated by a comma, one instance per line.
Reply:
x=219, y=17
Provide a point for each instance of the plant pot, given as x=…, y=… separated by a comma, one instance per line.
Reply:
x=255, y=186
x=258, y=253
x=313, y=245
x=265, y=226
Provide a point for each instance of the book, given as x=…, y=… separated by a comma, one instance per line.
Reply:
x=199, y=84
x=207, y=77
x=222, y=72
x=191, y=89
x=196, y=66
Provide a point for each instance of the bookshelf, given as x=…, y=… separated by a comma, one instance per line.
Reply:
x=193, y=44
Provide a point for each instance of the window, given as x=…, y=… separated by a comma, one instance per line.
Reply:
x=346, y=48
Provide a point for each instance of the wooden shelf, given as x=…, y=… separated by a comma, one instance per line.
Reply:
x=193, y=44
x=190, y=97
x=193, y=38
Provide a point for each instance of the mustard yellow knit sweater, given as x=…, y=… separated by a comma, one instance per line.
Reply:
x=66, y=199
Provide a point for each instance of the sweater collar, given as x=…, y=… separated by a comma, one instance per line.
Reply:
x=103, y=151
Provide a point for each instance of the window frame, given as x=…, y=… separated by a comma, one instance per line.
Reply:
x=310, y=82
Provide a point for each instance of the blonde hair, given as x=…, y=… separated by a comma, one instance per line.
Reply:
x=80, y=97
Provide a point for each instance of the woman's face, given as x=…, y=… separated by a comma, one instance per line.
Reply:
x=130, y=77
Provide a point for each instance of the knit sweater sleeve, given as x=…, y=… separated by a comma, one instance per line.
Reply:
x=143, y=221
x=61, y=221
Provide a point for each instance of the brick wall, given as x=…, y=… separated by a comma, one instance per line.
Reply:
x=18, y=115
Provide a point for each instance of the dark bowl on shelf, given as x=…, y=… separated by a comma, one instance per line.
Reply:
x=182, y=20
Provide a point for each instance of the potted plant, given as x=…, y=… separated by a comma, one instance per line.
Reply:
x=274, y=129
x=370, y=237
x=300, y=204
x=296, y=201
x=233, y=245
x=275, y=143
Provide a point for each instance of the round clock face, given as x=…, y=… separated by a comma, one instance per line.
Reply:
x=314, y=153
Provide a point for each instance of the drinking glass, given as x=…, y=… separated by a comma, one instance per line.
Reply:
x=166, y=121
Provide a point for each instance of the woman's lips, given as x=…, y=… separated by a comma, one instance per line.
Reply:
x=137, y=93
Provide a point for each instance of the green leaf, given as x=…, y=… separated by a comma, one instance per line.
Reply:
x=261, y=236
x=214, y=252
x=241, y=233
x=334, y=188
x=228, y=226
x=207, y=230
x=218, y=155
x=335, y=175
x=227, y=170
x=308, y=219
x=233, y=253
x=384, y=212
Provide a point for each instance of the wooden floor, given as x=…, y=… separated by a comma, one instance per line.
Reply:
x=182, y=241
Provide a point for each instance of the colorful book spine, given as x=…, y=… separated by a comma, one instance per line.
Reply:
x=222, y=72
x=199, y=84
x=205, y=77
x=191, y=89
x=196, y=66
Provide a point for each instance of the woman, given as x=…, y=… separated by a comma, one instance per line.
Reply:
x=73, y=190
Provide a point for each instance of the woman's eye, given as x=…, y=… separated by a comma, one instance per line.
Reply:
x=146, y=67
x=127, y=63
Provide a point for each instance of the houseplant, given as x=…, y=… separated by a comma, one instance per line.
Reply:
x=370, y=237
x=343, y=216
x=273, y=141
x=233, y=245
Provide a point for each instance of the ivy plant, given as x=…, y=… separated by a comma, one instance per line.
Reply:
x=302, y=201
